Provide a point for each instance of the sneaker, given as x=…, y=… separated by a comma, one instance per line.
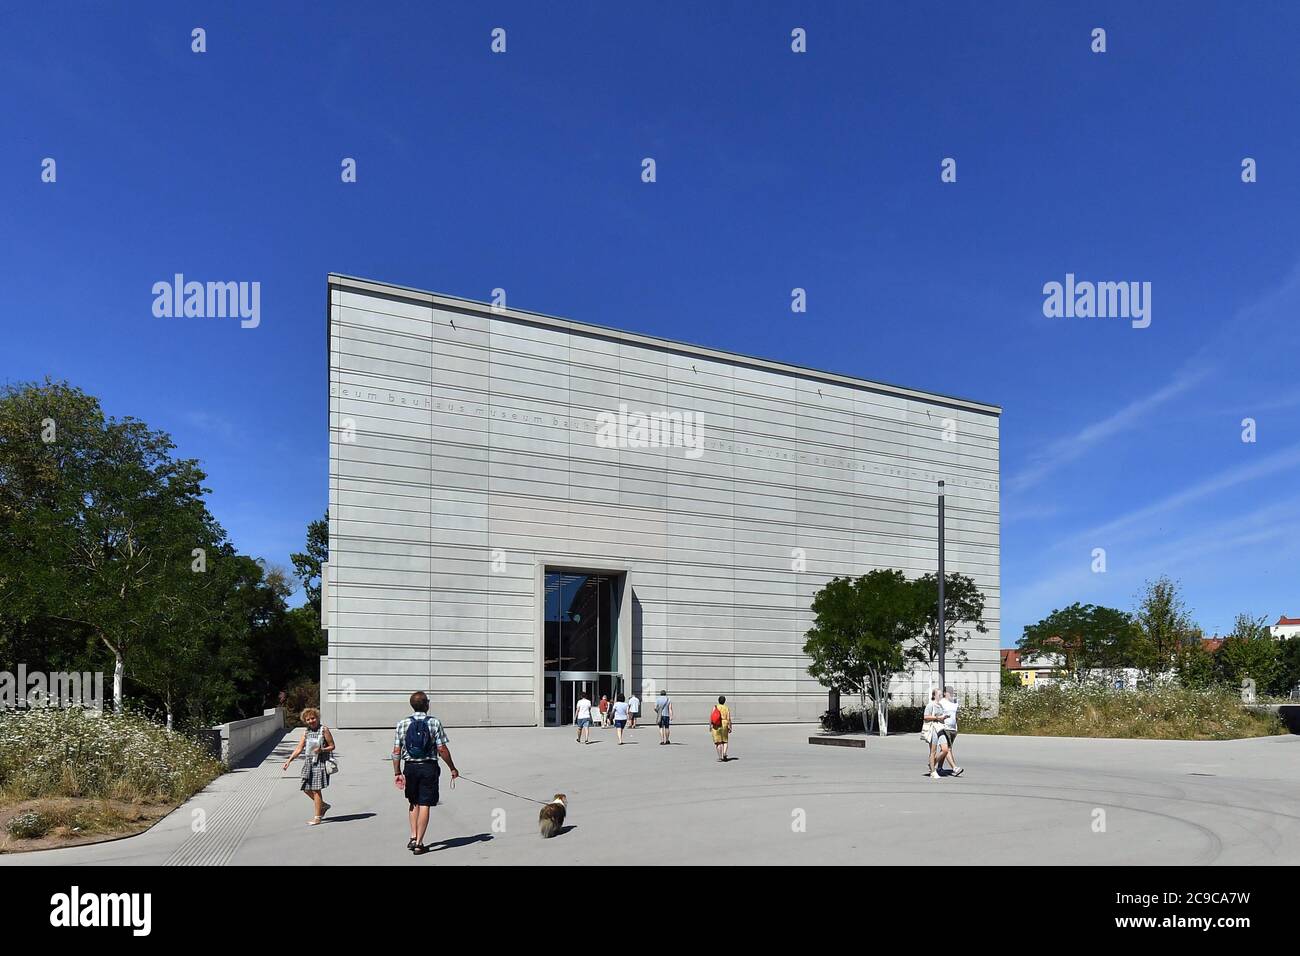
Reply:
x=958, y=772
x=410, y=844
x=934, y=775
x=419, y=849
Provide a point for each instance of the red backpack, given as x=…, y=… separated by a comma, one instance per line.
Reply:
x=715, y=719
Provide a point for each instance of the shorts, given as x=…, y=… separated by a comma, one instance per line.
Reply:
x=584, y=722
x=720, y=734
x=422, y=783
x=663, y=722
x=950, y=734
x=619, y=724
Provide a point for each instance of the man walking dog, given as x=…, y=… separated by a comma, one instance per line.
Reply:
x=418, y=743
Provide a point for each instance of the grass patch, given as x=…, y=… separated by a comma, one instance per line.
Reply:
x=66, y=821
x=1088, y=710
x=67, y=776
x=69, y=753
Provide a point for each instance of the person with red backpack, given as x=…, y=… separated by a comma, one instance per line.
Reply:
x=720, y=727
x=419, y=742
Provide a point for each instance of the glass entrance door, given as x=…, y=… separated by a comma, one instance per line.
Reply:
x=580, y=643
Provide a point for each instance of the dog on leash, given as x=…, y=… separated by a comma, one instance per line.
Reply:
x=551, y=819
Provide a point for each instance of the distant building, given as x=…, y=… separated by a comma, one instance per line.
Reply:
x=1034, y=670
x=1286, y=627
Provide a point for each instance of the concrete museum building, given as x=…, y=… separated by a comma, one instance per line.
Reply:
x=525, y=508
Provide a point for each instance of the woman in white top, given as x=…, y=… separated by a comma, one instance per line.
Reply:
x=582, y=717
x=620, y=717
x=931, y=723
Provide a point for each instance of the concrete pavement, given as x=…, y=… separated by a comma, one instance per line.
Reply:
x=783, y=801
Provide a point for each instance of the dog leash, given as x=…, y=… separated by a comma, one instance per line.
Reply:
x=498, y=790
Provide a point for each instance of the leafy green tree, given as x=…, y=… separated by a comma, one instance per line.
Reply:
x=1248, y=652
x=97, y=521
x=1195, y=666
x=1010, y=680
x=963, y=610
x=860, y=628
x=1084, y=636
x=1164, y=625
x=307, y=564
x=1287, y=676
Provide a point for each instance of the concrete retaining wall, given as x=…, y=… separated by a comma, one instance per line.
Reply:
x=241, y=737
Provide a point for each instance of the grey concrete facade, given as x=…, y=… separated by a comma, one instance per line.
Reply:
x=473, y=447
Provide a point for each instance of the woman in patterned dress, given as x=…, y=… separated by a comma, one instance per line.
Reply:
x=317, y=744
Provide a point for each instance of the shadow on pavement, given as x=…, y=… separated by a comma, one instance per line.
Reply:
x=348, y=818
x=460, y=841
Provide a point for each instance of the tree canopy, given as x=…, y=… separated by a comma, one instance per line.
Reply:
x=860, y=629
x=108, y=550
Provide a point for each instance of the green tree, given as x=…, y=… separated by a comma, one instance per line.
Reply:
x=97, y=522
x=860, y=628
x=1084, y=636
x=1195, y=666
x=963, y=610
x=1248, y=652
x=307, y=564
x=1163, y=624
x=1287, y=676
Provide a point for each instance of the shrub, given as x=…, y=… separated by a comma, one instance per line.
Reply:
x=29, y=825
x=902, y=719
x=297, y=699
x=70, y=753
x=1090, y=710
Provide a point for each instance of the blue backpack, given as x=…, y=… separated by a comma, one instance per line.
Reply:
x=419, y=742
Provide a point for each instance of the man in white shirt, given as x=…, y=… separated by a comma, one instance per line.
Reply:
x=949, y=731
x=633, y=710
x=582, y=718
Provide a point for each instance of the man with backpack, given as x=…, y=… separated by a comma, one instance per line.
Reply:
x=720, y=726
x=419, y=742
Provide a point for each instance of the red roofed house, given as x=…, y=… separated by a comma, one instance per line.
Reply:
x=1286, y=627
x=1033, y=670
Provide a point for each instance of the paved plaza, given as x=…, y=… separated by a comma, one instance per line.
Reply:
x=782, y=801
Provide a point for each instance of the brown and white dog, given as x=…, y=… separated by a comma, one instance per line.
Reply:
x=551, y=819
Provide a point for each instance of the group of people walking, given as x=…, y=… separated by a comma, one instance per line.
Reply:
x=624, y=714
x=939, y=731
x=420, y=740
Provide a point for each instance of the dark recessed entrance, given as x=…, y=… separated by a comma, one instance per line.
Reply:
x=580, y=642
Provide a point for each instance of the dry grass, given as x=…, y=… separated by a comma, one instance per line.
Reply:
x=27, y=825
x=1082, y=710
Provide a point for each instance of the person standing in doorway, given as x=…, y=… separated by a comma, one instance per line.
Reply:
x=620, y=717
x=949, y=731
x=720, y=727
x=582, y=717
x=633, y=710
x=604, y=710
x=417, y=745
x=664, y=711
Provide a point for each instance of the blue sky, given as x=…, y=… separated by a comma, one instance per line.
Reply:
x=775, y=170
